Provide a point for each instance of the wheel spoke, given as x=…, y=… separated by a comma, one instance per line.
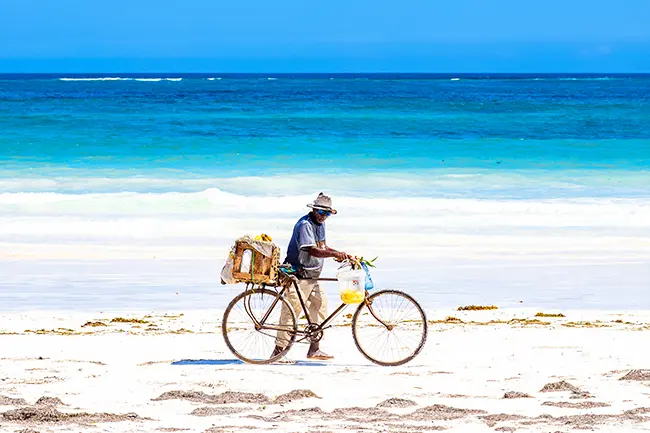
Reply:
x=405, y=335
x=250, y=344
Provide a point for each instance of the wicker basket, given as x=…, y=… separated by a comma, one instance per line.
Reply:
x=263, y=269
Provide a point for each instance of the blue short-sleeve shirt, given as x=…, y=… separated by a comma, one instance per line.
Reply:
x=306, y=233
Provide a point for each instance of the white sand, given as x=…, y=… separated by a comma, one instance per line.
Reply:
x=120, y=368
x=103, y=256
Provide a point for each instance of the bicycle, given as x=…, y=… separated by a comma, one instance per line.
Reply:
x=387, y=313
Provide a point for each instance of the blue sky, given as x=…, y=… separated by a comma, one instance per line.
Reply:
x=328, y=36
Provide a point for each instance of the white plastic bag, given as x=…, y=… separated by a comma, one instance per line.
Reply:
x=352, y=285
x=226, y=271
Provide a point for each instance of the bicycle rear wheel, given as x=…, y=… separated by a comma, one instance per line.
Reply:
x=389, y=328
x=249, y=339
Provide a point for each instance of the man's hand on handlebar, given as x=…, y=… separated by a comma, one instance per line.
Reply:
x=341, y=256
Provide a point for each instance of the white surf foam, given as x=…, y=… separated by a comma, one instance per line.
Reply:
x=154, y=79
x=440, y=250
x=449, y=183
x=403, y=220
x=95, y=79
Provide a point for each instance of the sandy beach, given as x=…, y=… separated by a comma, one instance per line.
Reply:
x=115, y=327
x=497, y=370
x=121, y=197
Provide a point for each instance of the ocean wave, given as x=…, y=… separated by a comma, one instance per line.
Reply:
x=206, y=223
x=95, y=79
x=153, y=79
x=216, y=203
x=470, y=77
x=456, y=183
x=588, y=78
x=157, y=79
x=576, y=78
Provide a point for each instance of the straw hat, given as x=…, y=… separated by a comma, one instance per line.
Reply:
x=322, y=202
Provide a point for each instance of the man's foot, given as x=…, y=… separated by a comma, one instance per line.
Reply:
x=284, y=360
x=320, y=355
x=277, y=351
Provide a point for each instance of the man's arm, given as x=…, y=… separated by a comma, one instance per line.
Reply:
x=327, y=252
x=327, y=247
x=309, y=242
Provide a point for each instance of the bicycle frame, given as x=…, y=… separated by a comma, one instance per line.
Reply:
x=321, y=326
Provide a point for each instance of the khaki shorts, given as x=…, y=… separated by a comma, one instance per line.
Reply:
x=315, y=301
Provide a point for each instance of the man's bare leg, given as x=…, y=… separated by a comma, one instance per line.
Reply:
x=317, y=308
x=314, y=352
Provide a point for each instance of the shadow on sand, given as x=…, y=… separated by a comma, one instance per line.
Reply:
x=238, y=362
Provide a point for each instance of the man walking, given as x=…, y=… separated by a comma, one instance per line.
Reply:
x=306, y=253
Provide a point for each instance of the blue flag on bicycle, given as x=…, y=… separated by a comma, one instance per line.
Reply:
x=369, y=284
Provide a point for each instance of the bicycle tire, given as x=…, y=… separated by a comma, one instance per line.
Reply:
x=292, y=327
x=364, y=306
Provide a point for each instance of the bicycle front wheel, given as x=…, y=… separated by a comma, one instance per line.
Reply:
x=389, y=328
x=252, y=326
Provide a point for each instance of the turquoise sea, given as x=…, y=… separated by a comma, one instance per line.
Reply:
x=127, y=191
x=514, y=136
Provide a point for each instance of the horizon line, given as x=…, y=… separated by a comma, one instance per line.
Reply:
x=327, y=73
